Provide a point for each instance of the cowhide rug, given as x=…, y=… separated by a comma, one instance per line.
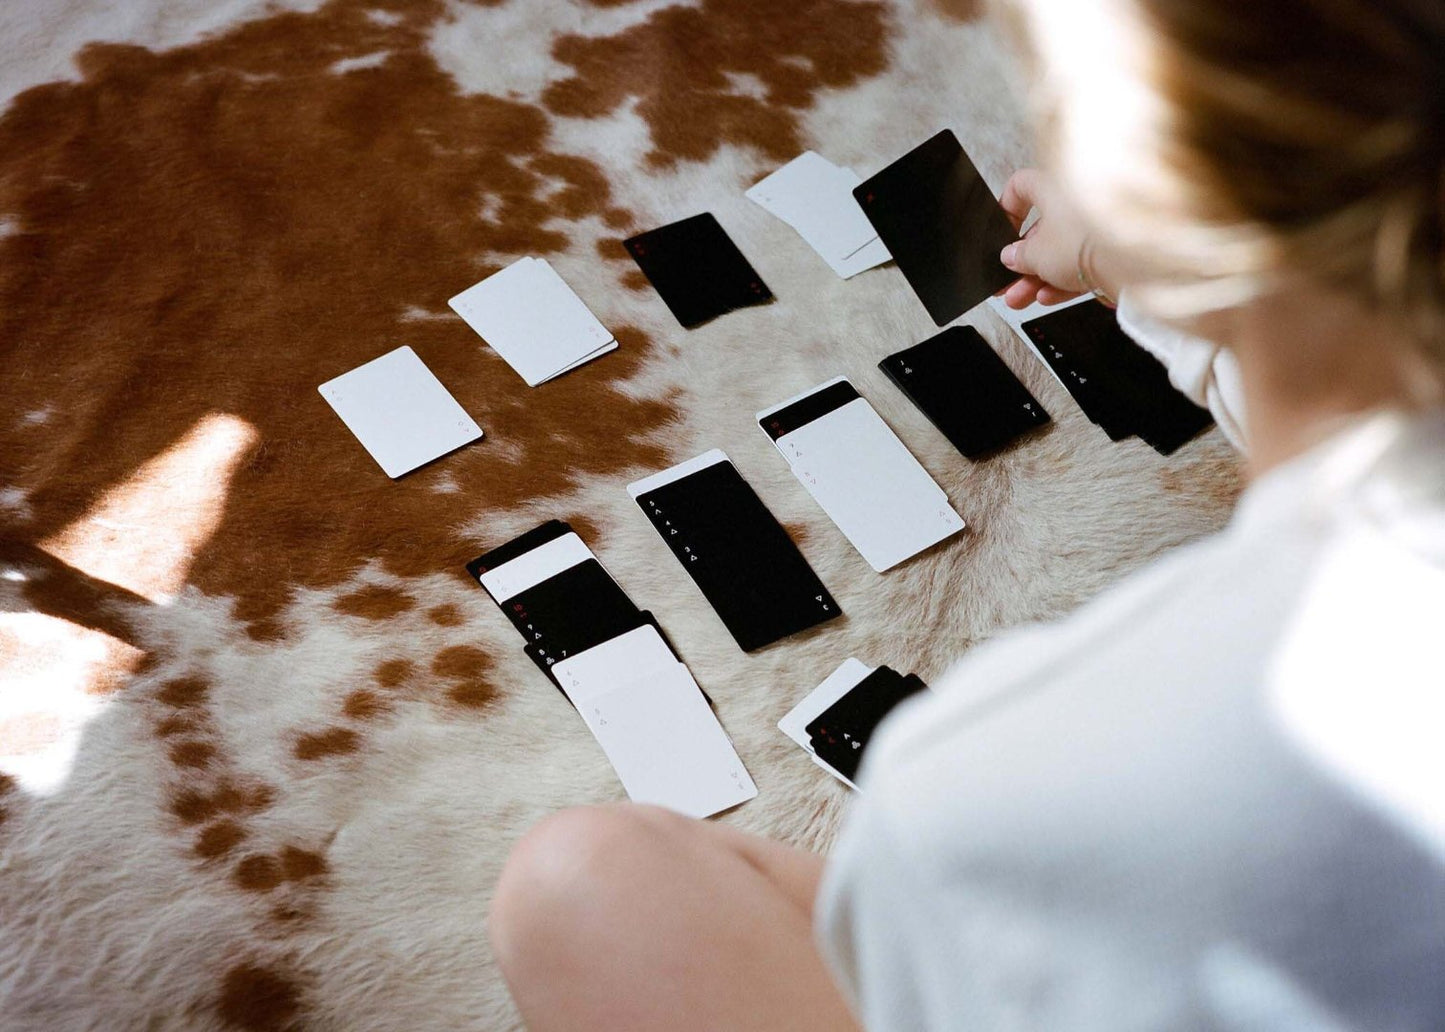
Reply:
x=265, y=746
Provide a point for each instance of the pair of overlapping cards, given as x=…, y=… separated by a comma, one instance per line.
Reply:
x=533, y=320
x=860, y=473
x=1122, y=388
x=835, y=721
x=613, y=663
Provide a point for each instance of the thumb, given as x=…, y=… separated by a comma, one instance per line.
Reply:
x=1018, y=256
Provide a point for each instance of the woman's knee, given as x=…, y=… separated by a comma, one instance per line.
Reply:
x=575, y=865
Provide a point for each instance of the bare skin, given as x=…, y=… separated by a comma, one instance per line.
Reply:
x=629, y=917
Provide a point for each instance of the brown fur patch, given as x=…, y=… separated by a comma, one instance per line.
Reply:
x=180, y=725
x=300, y=864
x=460, y=661
x=334, y=741
x=192, y=754
x=374, y=602
x=363, y=705
x=216, y=840
x=446, y=615
x=472, y=694
x=257, y=999
x=681, y=67
x=183, y=692
x=260, y=873
x=393, y=672
x=279, y=220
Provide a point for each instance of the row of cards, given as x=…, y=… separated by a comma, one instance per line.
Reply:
x=652, y=720
x=835, y=721
x=614, y=665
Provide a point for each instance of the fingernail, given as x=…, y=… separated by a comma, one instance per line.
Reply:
x=1007, y=255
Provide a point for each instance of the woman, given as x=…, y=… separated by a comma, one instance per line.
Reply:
x=1210, y=798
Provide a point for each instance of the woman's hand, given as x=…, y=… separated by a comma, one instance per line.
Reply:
x=1047, y=258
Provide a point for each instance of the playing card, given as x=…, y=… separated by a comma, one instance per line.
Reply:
x=965, y=390
x=1016, y=317
x=697, y=270
x=530, y=317
x=666, y=745
x=399, y=411
x=1119, y=385
x=637, y=653
x=840, y=734
x=942, y=224
x=734, y=550
x=545, y=559
x=860, y=473
x=572, y=611
x=832, y=688
x=517, y=547
x=815, y=197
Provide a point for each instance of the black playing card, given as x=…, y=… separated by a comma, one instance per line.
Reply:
x=1119, y=385
x=738, y=555
x=805, y=410
x=697, y=269
x=572, y=611
x=840, y=734
x=942, y=224
x=517, y=547
x=965, y=390
x=545, y=655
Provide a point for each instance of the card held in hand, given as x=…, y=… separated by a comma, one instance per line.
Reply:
x=697, y=270
x=942, y=224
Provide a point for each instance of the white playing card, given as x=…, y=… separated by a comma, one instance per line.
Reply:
x=530, y=317
x=1017, y=317
x=598, y=670
x=868, y=483
x=667, y=747
x=399, y=411
x=682, y=469
x=815, y=197
x=532, y=568
x=833, y=687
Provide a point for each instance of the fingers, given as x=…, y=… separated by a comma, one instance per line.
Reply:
x=1020, y=194
x=1051, y=295
x=1022, y=292
x=1018, y=256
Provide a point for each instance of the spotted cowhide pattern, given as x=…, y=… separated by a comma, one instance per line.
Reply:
x=264, y=746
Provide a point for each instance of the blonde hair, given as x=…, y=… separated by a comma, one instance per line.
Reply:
x=1231, y=143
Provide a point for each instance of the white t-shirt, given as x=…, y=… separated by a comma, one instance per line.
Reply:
x=1213, y=798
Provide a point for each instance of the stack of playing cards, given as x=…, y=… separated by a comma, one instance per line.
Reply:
x=1120, y=386
x=858, y=470
x=697, y=270
x=399, y=411
x=815, y=197
x=836, y=719
x=612, y=662
x=965, y=390
x=941, y=223
x=734, y=550
x=530, y=317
